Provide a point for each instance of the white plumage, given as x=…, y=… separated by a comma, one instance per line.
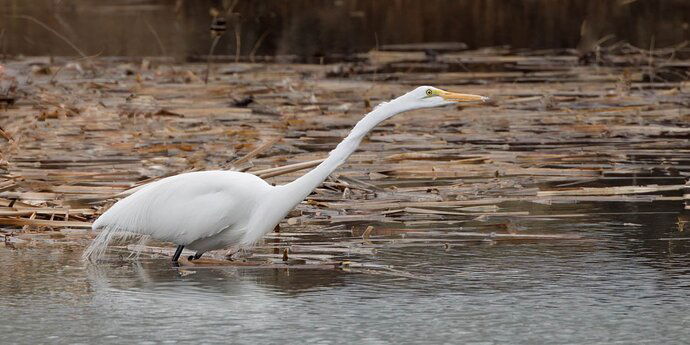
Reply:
x=217, y=209
x=169, y=210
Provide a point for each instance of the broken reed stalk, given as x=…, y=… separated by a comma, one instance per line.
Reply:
x=257, y=44
x=59, y=35
x=367, y=232
x=210, y=54
x=2, y=43
x=52, y=79
x=158, y=39
x=43, y=222
x=272, y=172
x=238, y=39
x=257, y=151
x=218, y=27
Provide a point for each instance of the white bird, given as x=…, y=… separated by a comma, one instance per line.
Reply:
x=211, y=210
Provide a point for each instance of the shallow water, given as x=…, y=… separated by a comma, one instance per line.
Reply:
x=621, y=286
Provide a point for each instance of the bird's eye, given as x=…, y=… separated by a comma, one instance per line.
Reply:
x=429, y=92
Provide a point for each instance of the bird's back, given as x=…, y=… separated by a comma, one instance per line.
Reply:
x=184, y=208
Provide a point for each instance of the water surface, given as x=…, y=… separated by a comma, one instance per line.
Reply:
x=623, y=285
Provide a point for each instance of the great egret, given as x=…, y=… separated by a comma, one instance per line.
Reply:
x=210, y=210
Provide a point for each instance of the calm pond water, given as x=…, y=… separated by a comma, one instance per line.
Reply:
x=623, y=286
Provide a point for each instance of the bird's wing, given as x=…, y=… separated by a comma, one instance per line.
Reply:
x=187, y=207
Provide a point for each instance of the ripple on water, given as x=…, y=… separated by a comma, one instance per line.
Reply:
x=625, y=286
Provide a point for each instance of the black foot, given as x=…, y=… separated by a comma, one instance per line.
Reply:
x=195, y=256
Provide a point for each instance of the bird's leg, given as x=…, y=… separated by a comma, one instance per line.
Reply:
x=195, y=256
x=178, y=252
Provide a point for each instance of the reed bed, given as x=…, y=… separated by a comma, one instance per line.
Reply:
x=563, y=132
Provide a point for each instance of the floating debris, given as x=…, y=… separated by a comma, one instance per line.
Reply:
x=557, y=132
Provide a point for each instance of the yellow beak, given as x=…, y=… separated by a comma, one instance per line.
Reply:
x=461, y=97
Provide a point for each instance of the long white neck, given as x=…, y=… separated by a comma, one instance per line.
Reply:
x=276, y=204
x=296, y=191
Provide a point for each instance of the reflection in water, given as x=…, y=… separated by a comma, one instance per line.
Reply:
x=157, y=276
x=181, y=28
x=622, y=286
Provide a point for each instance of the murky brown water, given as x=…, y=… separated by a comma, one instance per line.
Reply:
x=270, y=27
x=624, y=286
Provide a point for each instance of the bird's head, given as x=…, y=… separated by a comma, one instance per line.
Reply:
x=430, y=97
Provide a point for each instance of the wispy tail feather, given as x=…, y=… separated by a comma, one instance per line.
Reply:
x=95, y=251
